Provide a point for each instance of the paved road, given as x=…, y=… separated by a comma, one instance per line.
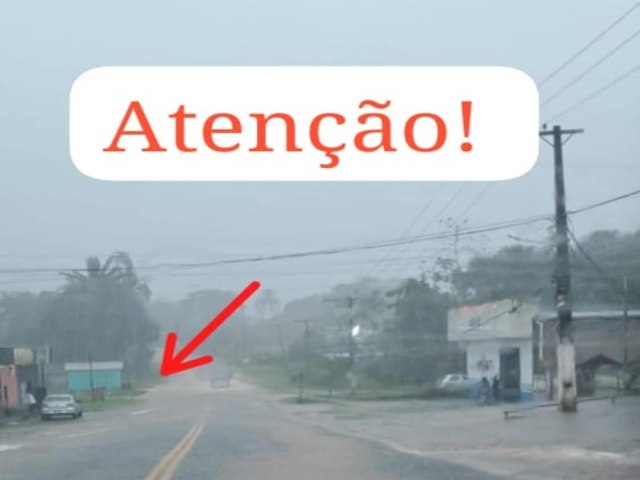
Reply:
x=601, y=441
x=186, y=431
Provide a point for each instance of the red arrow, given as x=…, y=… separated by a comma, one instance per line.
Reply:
x=174, y=363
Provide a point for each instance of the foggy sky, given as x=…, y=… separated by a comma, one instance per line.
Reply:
x=53, y=216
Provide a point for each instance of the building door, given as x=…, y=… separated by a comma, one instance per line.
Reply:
x=510, y=373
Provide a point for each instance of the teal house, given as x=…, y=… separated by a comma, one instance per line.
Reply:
x=99, y=375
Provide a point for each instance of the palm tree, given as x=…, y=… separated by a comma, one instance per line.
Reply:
x=103, y=310
x=118, y=268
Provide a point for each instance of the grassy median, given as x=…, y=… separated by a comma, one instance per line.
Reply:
x=325, y=381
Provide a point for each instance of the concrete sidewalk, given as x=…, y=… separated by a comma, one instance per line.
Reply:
x=600, y=441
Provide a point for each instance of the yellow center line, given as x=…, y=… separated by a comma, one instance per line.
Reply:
x=173, y=466
x=168, y=464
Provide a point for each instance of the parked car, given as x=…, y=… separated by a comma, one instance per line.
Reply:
x=60, y=405
x=453, y=383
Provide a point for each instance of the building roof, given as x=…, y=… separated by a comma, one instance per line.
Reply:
x=598, y=361
x=503, y=319
x=84, y=366
x=591, y=315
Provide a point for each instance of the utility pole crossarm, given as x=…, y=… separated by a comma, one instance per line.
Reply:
x=572, y=131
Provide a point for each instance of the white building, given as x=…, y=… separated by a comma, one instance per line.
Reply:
x=497, y=339
x=502, y=338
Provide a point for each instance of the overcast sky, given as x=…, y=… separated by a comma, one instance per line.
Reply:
x=53, y=216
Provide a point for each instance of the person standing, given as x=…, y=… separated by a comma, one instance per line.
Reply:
x=485, y=391
x=31, y=402
x=495, y=387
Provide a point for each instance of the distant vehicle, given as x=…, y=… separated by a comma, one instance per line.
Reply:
x=221, y=378
x=60, y=406
x=453, y=383
x=220, y=383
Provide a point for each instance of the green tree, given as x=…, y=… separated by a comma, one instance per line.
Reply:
x=102, y=313
x=598, y=264
x=415, y=341
x=516, y=271
x=21, y=318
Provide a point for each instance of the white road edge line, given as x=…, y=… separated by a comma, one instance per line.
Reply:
x=140, y=412
x=6, y=448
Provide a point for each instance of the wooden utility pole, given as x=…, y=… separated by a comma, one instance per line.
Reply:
x=349, y=302
x=351, y=340
x=625, y=340
x=306, y=360
x=91, y=377
x=566, y=361
x=283, y=351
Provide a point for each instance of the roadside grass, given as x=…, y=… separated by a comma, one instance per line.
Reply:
x=112, y=400
x=282, y=379
x=273, y=378
x=150, y=382
x=394, y=392
x=119, y=399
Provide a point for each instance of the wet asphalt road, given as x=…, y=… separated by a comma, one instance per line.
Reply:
x=185, y=431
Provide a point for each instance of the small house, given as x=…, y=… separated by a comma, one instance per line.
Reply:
x=19, y=375
x=94, y=375
x=497, y=339
x=9, y=390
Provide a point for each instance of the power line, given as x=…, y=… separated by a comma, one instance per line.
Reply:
x=437, y=236
x=604, y=202
x=406, y=232
x=438, y=216
x=418, y=217
x=612, y=281
x=310, y=253
x=573, y=57
x=469, y=231
x=431, y=222
x=596, y=93
x=474, y=202
x=409, y=240
x=290, y=272
x=590, y=259
x=591, y=68
x=479, y=325
x=446, y=206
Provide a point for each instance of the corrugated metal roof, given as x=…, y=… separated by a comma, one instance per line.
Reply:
x=593, y=315
x=84, y=366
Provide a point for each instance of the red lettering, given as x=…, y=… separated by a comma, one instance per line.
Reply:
x=261, y=134
x=384, y=131
x=208, y=131
x=409, y=133
x=180, y=117
x=314, y=135
x=147, y=131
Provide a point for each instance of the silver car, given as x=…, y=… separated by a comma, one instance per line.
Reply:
x=60, y=405
x=453, y=383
